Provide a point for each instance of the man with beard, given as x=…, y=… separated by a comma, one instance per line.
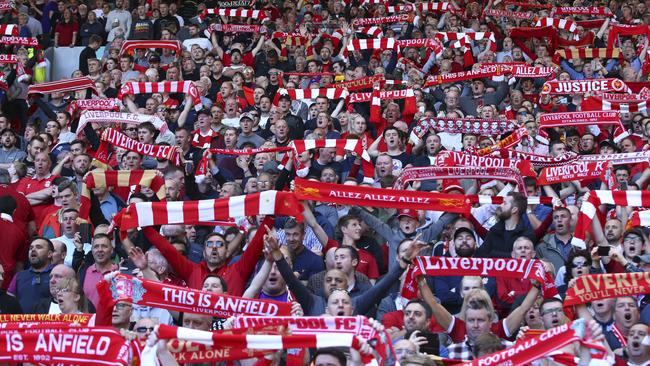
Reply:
x=449, y=288
x=215, y=260
x=508, y=289
x=626, y=314
x=611, y=235
x=501, y=237
x=556, y=248
x=31, y=285
x=638, y=354
x=417, y=316
x=9, y=152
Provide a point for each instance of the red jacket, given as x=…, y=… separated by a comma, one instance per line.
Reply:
x=235, y=274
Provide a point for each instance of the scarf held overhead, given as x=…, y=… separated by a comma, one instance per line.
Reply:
x=144, y=214
x=168, y=87
x=110, y=117
x=63, y=86
x=584, y=86
x=491, y=127
x=579, y=170
x=118, y=139
x=465, y=172
x=183, y=299
x=594, y=287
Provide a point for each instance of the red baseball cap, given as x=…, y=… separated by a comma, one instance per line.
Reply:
x=450, y=185
x=408, y=213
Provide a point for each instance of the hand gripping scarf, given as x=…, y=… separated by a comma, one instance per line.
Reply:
x=118, y=139
x=353, y=146
x=130, y=46
x=587, y=118
x=594, y=287
x=196, y=212
x=596, y=198
x=183, y=299
x=109, y=117
x=490, y=267
x=119, y=179
x=529, y=349
x=478, y=126
x=102, y=104
x=379, y=197
x=254, y=341
x=464, y=172
x=64, y=346
x=65, y=85
x=186, y=87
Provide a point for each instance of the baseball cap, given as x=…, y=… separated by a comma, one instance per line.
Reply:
x=247, y=115
x=5, y=130
x=452, y=184
x=285, y=96
x=271, y=167
x=154, y=58
x=408, y=213
x=461, y=230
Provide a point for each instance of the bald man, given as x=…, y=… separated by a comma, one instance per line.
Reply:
x=50, y=305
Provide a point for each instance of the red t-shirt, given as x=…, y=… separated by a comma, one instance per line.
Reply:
x=367, y=263
x=29, y=185
x=24, y=212
x=246, y=59
x=65, y=32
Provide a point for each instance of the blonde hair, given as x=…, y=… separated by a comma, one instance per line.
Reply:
x=477, y=299
x=72, y=285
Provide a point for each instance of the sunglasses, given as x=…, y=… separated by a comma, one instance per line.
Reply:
x=214, y=244
x=144, y=329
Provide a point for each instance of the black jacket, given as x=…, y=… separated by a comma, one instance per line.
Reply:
x=499, y=241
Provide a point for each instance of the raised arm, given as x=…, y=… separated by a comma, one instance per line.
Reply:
x=181, y=265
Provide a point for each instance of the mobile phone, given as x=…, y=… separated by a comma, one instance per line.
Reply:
x=603, y=250
x=432, y=347
x=622, y=186
x=189, y=168
x=84, y=231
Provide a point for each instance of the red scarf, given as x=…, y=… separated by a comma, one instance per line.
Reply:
x=579, y=170
x=564, y=119
x=583, y=10
x=196, y=212
x=530, y=349
x=187, y=87
x=508, y=14
x=582, y=53
x=539, y=160
x=565, y=24
x=82, y=319
x=453, y=158
x=103, y=104
x=202, y=169
x=466, y=172
x=402, y=18
x=584, y=86
x=118, y=139
x=478, y=126
x=65, y=346
x=362, y=83
x=236, y=28
x=241, y=13
x=490, y=267
x=9, y=30
x=130, y=46
x=594, y=287
x=300, y=94
x=423, y=7
x=65, y=85
x=8, y=59
x=371, y=44
x=598, y=103
x=483, y=72
x=379, y=197
x=20, y=41
x=625, y=30
x=526, y=5
x=119, y=179
x=186, y=300
x=511, y=140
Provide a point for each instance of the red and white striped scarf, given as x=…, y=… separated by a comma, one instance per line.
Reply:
x=566, y=24
x=597, y=102
x=219, y=340
x=619, y=158
x=424, y=7
x=355, y=146
x=587, y=118
x=116, y=118
x=583, y=10
x=101, y=104
x=556, y=87
x=372, y=44
x=456, y=158
x=582, y=53
x=383, y=94
x=242, y=13
x=20, y=41
x=6, y=6
x=8, y=59
x=9, y=30
x=465, y=172
x=505, y=143
x=300, y=94
x=202, y=168
x=235, y=28
x=527, y=5
x=65, y=85
x=366, y=82
x=195, y=212
x=596, y=198
x=584, y=171
x=638, y=218
x=187, y=87
x=129, y=46
x=119, y=179
x=478, y=126
x=373, y=31
x=402, y=18
x=508, y=14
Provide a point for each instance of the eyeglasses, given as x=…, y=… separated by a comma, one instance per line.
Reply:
x=580, y=264
x=144, y=329
x=131, y=129
x=403, y=351
x=122, y=305
x=631, y=239
x=214, y=244
x=551, y=311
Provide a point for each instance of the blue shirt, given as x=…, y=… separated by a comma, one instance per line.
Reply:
x=307, y=263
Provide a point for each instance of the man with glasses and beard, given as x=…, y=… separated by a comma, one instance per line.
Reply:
x=448, y=288
x=501, y=237
x=32, y=284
